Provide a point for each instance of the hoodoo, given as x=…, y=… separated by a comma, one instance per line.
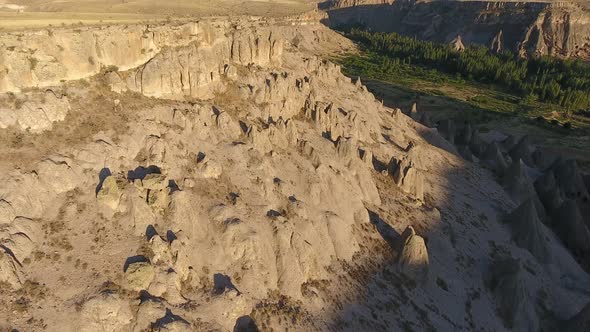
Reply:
x=513, y=294
x=184, y=167
x=527, y=230
x=549, y=192
x=570, y=226
x=413, y=256
x=569, y=179
x=493, y=159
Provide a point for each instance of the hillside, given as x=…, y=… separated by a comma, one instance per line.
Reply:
x=222, y=174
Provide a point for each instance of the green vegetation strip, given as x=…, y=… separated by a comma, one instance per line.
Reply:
x=497, y=82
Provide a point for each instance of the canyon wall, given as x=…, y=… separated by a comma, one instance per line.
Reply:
x=527, y=28
x=47, y=57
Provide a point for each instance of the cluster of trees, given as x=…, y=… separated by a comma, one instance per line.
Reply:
x=552, y=80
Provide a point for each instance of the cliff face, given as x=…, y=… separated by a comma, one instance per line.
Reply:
x=204, y=53
x=527, y=28
x=46, y=57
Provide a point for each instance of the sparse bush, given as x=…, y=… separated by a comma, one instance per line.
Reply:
x=33, y=63
x=442, y=284
x=108, y=69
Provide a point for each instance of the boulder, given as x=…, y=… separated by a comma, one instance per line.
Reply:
x=139, y=275
x=110, y=191
x=155, y=181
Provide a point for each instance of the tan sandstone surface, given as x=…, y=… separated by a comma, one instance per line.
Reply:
x=221, y=175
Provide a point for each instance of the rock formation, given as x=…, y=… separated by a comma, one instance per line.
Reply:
x=425, y=120
x=527, y=230
x=514, y=298
x=570, y=226
x=578, y=323
x=477, y=145
x=464, y=135
x=528, y=29
x=523, y=151
x=414, y=112
x=229, y=176
x=447, y=129
x=412, y=259
x=493, y=159
x=36, y=111
x=509, y=142
x=549, y=192
x=496, y=45
x=457, y=44
x=520, y=187
x=570, y=179
x=407, y=176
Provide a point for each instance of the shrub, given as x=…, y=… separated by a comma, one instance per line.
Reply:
x=33, y=63
x=442, y=284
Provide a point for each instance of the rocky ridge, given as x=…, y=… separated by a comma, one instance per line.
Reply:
x=526, y=28
x=235, y=179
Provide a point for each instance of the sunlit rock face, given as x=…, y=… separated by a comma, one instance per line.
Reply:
x=231, y=177
x=525, y=28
